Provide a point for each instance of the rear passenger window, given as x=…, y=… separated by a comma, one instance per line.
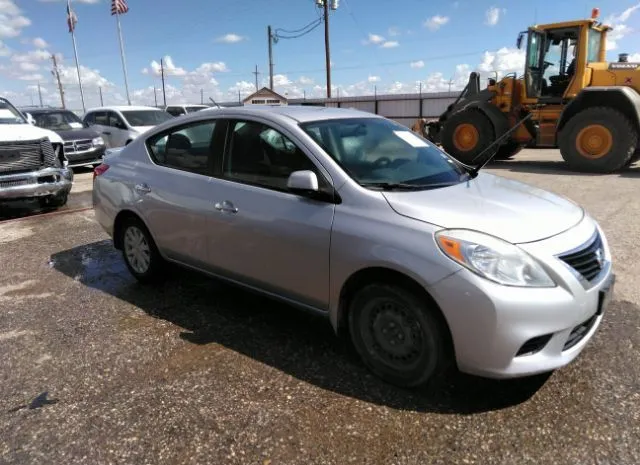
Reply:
x=187, y=148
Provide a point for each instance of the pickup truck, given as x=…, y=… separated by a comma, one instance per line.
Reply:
x=33, y=165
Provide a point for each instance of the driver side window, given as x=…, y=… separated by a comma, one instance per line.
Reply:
x=115, y=121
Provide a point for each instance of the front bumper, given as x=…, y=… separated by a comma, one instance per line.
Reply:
x=87, y=157
x=506, y=332
x=34, y=184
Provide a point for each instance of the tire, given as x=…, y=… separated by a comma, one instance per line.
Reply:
x=508, y=150
x=466, y=134
x=54, y=201
x=146, y=265
x=397, y=318
x=614, y=140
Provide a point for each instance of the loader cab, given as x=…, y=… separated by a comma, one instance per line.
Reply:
x=552, y=62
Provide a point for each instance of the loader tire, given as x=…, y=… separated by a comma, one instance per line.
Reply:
x=598, y=140
x=508, y=150
x=466, y=134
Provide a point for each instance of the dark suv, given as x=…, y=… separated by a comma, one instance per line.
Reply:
x=83, y=145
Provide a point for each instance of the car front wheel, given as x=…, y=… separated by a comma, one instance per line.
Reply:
x=140, y=252
x=398, y=335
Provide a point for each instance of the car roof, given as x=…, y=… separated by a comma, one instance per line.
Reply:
x=123, y=108
x=298, y=113
x=44, y=110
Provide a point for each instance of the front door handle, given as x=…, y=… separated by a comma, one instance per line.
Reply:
x=142, y=188
x=108, y=133
x=226, y=206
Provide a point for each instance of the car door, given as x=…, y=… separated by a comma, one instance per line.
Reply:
x=100, y=122
x=173, y=189
x=262, y=234
x=119, y=131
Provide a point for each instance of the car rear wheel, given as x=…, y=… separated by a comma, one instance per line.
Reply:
x=398, y=335
x=140, y=252
x=467, y=134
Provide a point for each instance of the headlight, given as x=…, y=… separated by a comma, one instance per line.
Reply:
x=493, y=258
x=97, y=141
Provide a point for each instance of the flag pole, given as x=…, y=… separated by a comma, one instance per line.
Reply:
x=75, y=52
x=124, y=66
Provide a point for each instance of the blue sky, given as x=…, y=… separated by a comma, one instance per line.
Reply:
x=214, y=45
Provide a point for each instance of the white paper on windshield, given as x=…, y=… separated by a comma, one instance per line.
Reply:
x=75, y=125
x=4, y=113
x=411, y=139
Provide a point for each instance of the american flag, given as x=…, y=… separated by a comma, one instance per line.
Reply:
x=72, y=19
x=119, y=7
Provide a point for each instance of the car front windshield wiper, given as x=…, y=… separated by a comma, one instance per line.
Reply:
x=392, y=186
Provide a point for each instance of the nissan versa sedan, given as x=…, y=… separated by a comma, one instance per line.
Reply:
x=424, y=263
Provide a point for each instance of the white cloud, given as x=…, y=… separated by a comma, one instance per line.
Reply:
x=305, y=81
x=373, y=79
x=26, y=66
x=375, y=39
x=170, y=69
x=230, y=38
x=90, y=2
x=393, y=31
x=11, y=20
x=417, y=64
x=39, y=42
x=217, y=67
x=31, y=77
x=634, y=57
x=436, y=22
x=390, y=44
x=620, y=29
x=4, y=50
x=31, y=56
x=492, y=15
x=505, y=60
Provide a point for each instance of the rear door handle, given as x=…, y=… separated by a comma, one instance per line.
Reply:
x=226, y=206
x=142, y=188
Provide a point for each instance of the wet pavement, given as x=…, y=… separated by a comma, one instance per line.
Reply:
x=98, y=369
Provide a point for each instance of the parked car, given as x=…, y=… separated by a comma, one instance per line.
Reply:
x=83, y=145
x=119, y=125
x=33, y=165
x=183, y=109
x=422, y=261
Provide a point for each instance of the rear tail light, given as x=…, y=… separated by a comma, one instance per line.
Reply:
x=100, y=169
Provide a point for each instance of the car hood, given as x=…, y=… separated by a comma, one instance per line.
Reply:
x=80, y=133
x=21, y=132
x=511, y=210
x=142, y=129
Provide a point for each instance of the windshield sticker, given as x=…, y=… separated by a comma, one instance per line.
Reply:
x=411, y=139
x=75, y=125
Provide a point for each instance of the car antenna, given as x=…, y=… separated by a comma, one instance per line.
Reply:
x=214, y=102
x=475, y=170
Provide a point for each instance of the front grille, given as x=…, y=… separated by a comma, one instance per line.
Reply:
x=48, y=154
x=579, y=332
x=21, y=156
x=533, y=345
x=14, y=183
x=587, y=260
x=74, y=146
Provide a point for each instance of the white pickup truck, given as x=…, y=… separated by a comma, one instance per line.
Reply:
x=32, y=161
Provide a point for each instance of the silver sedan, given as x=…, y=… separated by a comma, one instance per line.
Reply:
x=425, y=263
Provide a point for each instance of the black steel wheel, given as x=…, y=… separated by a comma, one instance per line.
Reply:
x=508, y=150
x=397, y=335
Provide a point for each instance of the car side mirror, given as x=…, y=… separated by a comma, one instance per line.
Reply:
x=30, y=119
x=303, y=182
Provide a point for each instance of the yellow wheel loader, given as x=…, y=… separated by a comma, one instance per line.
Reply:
x=577, y=102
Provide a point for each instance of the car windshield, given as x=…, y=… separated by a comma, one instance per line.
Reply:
x=380, y=153
x=58, y=120
x=146, y=117
x=9, y=114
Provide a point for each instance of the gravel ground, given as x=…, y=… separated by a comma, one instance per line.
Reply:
x=98, y=369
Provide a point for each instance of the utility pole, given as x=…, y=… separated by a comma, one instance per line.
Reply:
x=155, y=96
x=256, y=74
x=201, y=96
x=325, y=4
x=57, y=75
x=270, y=57
x=164, y=95
x=40, y=93
x=100, y=90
